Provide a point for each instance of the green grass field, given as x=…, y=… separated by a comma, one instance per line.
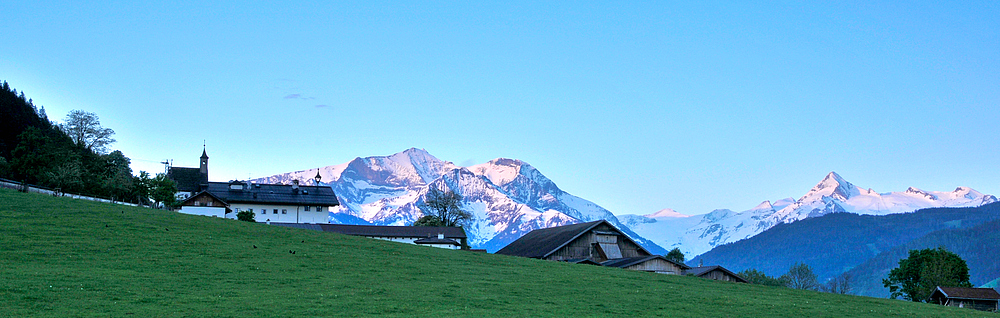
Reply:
x=62, y=257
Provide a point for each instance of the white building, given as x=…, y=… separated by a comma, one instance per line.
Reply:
x=277, y=203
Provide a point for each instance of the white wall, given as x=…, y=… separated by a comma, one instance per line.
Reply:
x=204, y=210
x=293, y=214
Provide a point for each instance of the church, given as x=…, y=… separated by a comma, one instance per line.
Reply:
x=280, y=203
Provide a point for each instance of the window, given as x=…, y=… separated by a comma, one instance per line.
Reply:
x=264, y=211
x=307, y=208
x=275, y=211
x=250, y=210
x=283, y=211
x=237, y=210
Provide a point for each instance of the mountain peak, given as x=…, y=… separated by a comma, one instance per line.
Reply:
x=666, y=213
x=833, y=185
x=766, y=205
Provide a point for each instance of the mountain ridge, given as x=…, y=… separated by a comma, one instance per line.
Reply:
x=700, y=233
x=507, y=197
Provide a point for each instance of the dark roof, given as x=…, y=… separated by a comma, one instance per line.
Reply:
x=699, y=271
x=187, y=179
x=435, y=240
x=274, y=194
x=541, y=243
x=196, y=195
x=450, y=232
x=629, y=261
x=581, y=261
x=968, y=293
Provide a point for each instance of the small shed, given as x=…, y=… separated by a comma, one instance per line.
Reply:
x=715, y=272
x=975, y=298
x=652, y=263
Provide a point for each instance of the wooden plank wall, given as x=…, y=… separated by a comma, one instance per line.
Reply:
x=657, y=265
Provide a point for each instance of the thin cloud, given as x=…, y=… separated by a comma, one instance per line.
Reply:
x=299, y=96
x=322, y=106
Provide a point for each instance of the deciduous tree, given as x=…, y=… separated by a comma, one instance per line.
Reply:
x=676, y=255
x=85, y=129
x=923, y=271
x=801, y=276
x=445, y=206
x=163, y=190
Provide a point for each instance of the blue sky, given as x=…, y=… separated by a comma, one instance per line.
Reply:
x=637, y=107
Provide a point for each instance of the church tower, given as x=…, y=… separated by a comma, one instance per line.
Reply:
x=204, y=165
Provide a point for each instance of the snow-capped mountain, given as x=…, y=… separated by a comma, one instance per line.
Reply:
x=507, y=197
x=697, y=234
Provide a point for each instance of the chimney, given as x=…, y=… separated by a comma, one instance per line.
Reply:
x=295, y=186
x=699, y=262
x=440, y=236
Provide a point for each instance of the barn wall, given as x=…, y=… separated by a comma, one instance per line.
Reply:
x=657, y=265
x=579, y=248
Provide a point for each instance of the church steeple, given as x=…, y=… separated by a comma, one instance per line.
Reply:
x=204, y=165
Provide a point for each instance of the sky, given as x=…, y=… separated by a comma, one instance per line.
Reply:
x=635, y=106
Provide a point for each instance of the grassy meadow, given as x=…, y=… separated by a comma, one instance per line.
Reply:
x=63, y=257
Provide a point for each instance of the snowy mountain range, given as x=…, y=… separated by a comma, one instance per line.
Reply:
x=507, y=197
x=698, y=234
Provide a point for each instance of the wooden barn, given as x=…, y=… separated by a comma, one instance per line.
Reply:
x=975, y=298
x=715, y=272
x=596, y=242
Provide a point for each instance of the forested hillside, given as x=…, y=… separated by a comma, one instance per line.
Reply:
x=37, y=151
x=835, y=243
x=978, y=246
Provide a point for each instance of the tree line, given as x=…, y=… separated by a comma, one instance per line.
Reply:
x=72, y=157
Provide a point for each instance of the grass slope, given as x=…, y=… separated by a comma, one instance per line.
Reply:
x=63, y=257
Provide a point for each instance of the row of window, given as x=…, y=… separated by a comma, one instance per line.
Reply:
x=283, y=211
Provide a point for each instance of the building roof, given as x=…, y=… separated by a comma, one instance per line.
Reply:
x=581, y=261
x=968, y=293
x=541, y=243
x=450, y=232
x=187, y=179
x=200, y=194
x=629, y=261
x=274, y=194
x=703, y=270
x=435, y=240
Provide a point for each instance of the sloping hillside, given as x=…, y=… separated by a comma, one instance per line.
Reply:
x=61, y=257
x=833, y=244
x=978, y=246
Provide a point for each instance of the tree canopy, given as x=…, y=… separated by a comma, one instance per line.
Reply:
x=801, y=276
x=923, y=271
x=85, y=129
x=442, y=208
x=71, y=157
x=676, y=255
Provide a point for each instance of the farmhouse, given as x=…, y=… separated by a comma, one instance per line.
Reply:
x=976, y=298
x=449, y=237
x=268, y=202
x=597, y=242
